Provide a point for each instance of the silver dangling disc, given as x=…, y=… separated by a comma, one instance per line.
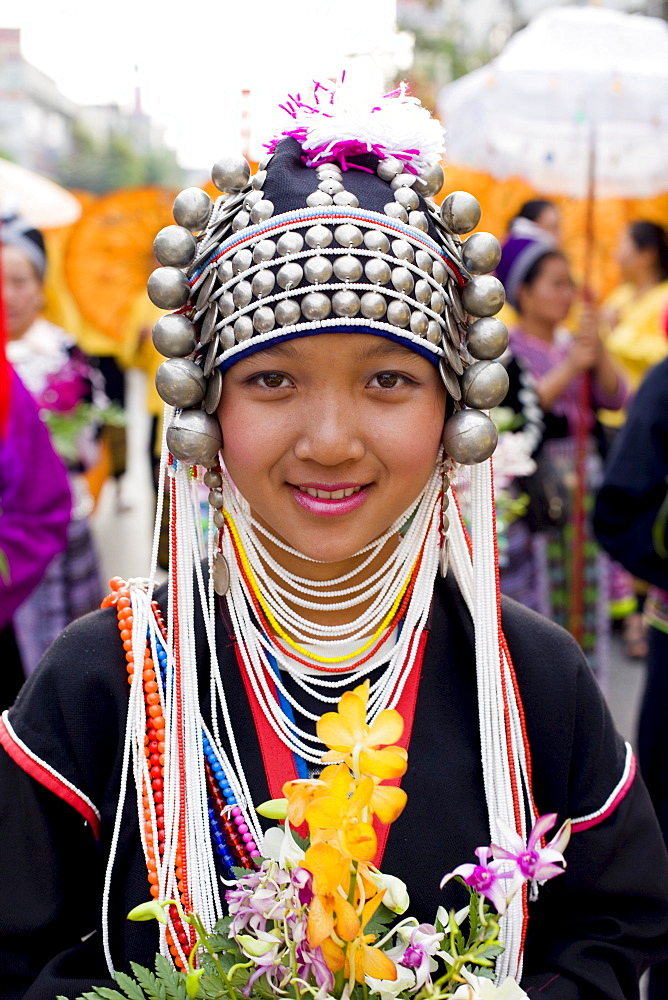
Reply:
x=452, y=355
x=204, y=290
x=450, y=380
x=208, y=324
x=214, y=389
x=220, y=573
x=211, y=355
x=444, y=558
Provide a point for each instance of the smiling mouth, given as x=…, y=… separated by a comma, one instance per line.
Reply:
x=339, y=494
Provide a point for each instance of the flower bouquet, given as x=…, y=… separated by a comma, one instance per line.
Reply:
x=318, y=919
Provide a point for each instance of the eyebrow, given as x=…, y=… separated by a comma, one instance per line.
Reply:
x=382, y=348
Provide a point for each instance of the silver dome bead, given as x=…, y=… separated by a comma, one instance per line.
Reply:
x=225, y=271
x=240, y=221
x=194, y=437
x=469, y=437
x=180, y=382
x=317, y=270
x=265, y=161
x=192, y=208
x=226, y=304
x=175, y=246
x=263, y=283
x=316, y=305
x=424, y=261
x=216, y=498
x=396, y=211
x=403, y=250
x=377, y=271
x=289, y=275
x=251, y=199
x=407, y=198
x=418, y=220
x=402, y=279
x=403, y=180
x=174, y=336
x=487, y=338
x=346, y=198
x=242, y=260
x=439, y=271
x=289, y=243
x=389, y=168
x=373, y=305
x=243, y=328
x=168, y=288
x=434, y=332
x=375, y=240
x=213, y=479
x=437, y=302
x=226, y=338
x=318, y=237
x=484, y=385
x=419, y=323
x=231, y=173
x=430, y=180
x=398, y=313
x=348, y=235
x=326, y=170
x=460, y=212
x=264, y=319
x=318, y=199
x=258, y=179
x=483, y=296
x=348, y=268
x=287, y=312
x=261, y=211
x=345, y=303
x=481, y=253
x=263, y=251
x=422, y=291
x=330, y=186
x=242, y=293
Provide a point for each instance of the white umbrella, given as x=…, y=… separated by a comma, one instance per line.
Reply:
x=576, y=79
x=39, y=200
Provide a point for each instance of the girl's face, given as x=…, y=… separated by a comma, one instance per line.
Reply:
x=550, y=296
x=634, y=263
x=22, y=291
x=330, y=437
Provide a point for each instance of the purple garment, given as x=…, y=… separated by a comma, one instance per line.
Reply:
x=35, y=502
x=539, y=357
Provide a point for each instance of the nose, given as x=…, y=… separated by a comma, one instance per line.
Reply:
x=331, y=433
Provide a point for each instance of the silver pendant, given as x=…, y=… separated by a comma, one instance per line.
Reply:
x=444, y=557
x=221, y=574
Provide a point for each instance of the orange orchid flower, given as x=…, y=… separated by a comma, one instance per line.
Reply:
x=329, y=910
x=343, y=809
x=348, y=736
x=387, y=802
x=300, y=793
x=362, y=959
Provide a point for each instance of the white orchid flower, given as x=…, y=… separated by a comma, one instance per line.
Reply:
x=389, y=989
x=279, y=845
x=396, y=894
x=477, y=988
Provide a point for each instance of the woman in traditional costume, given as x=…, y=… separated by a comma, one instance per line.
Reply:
x=322, y=321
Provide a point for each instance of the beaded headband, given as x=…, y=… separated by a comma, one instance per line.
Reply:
x=335, y=232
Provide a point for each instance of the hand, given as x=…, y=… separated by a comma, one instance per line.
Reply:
x=586, y=347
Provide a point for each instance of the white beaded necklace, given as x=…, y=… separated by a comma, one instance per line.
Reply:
x=422, y=522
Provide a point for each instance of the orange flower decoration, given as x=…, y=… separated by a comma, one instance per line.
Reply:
x=348, y=737
x=362, y=959
x=344, y=810
x=329, y=910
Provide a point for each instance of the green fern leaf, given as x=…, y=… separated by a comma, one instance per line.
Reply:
x=129, y=986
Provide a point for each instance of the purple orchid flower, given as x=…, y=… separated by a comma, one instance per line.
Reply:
x=485, y=878
x=533, y=862
x=423, y=945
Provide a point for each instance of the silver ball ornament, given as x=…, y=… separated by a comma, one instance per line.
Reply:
x=287, y=312
x=373, y=305
x=460, y=212
x=180, y=382
x=174, y=336
x=487, y=338
x=483, y=295
x=389, y=168
x=174, y=246
x=194, y=437
x=484, y=385
x=231, y=173
x=481, y=253
x=316, y=305
x=168, y=288
x=345, y=303
x=192, y=208
x=430, y=180
x=469, y=437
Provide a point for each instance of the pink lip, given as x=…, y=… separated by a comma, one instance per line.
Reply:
x=329, y=508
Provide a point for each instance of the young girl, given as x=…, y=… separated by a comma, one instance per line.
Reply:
x=322, y=322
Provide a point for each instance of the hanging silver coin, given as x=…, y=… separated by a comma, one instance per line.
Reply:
x=220, y=573
x=450, y=380
x=209, y=323
x=211, y=355
x=444, y=557
x=214, y=389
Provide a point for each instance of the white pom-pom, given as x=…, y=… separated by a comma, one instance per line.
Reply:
x=336, y=124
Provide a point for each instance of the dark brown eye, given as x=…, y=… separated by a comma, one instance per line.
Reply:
x=388, y=380
x=272, y=380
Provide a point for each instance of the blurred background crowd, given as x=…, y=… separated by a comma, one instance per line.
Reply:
x=556, y=120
